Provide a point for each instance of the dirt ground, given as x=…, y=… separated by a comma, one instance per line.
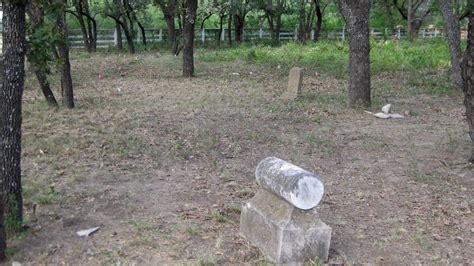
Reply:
x=162, y=164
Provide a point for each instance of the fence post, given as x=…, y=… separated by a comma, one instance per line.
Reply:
x=344, y=33
x=223, y=35
x=436, y=32
x=423, y=31
x=203, y=35
x=399, y=34
x=138, y=37
x=261, y=33
x=160, y=35
x=312, y=34
x=295, y=37
x=115, y=37
x=386, y=33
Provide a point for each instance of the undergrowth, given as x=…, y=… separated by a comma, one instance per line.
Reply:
x=331, y=57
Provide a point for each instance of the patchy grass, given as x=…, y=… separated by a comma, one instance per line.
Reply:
x=164, y=164
x=218, y=217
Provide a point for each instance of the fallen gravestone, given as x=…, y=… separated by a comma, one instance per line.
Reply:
x=280, y=219
x=295, y=82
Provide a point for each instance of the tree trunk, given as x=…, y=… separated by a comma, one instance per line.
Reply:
x=410, y=20
x=238, y=28
x=11, y=92
x=229, y=29
x=36, y=15
x=45, y=88
x=91, y=26
x=271, y=25
x=143, y=32
x=119, y=36
x=277, y=28
x=82, y=24
x=356, y=15
x=454, y=39
x=169, y=11
x=188, y=38
x=301, y=37
x=221, y=28
x=319, y=21
x=66, y=79
x=468, y=81
x=3, y=163
x=171, y=28
x=128, y=36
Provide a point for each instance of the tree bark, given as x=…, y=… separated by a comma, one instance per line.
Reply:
x=87, y=24
x=410, y=18
x=168, y=7
x=319, y=20
x=239, y=28
x=91, y=26
x=356, y=15
x=453, y=34
x=468, y=80
x=3, y=195
x=82, y=24
x=63, y=49
x=188, y=38
x=270, y=22
x=45, y=88
x=11, y=92
x=221, y=28
x=302, y=34
x=143, y=32
x=119, y=36
x=128, y=36
x=277, y=28
x=229, y=29
x=170, y=27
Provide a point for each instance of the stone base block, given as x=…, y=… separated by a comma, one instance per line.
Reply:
x=285, y=234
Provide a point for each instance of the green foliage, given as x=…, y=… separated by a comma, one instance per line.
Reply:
x=43, y=37
x=331, y=57
x=40, y=43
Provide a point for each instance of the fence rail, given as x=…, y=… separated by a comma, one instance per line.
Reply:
x=108, y=37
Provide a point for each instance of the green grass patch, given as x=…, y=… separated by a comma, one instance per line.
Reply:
x=332, y=57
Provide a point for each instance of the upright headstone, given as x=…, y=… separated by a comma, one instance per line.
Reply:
x=295, y=83
x=281, y=220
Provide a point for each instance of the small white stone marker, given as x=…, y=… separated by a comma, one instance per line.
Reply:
x=385, y=114
x=87, y=232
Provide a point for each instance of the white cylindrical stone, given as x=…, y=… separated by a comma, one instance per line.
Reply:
x=299, y=187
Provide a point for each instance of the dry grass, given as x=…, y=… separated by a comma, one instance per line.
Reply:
x=163, y=163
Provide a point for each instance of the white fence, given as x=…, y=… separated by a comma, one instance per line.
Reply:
x=108, y=37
